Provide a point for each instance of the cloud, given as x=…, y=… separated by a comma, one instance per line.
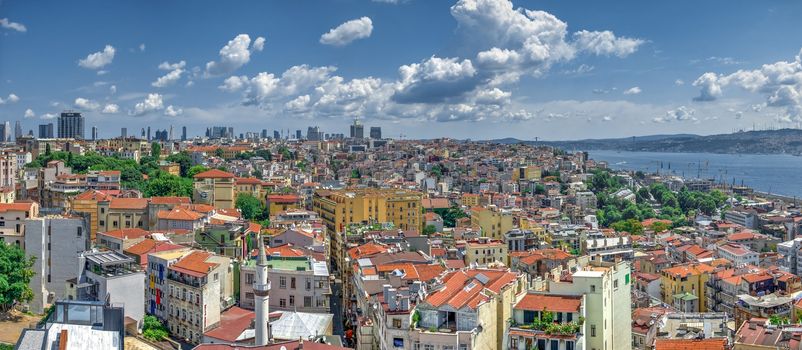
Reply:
x=110, y=109
x=605, y=43
x=86, y=104
x=48, y=116
x=98, y=59
x=347, y=32
x=153, y=102
x=299, y=103
x=582, y=69
x=142, y=47
x=679, y=82
x=29, y=113
x=12, y=98
x=607, y=118
x=681, y=113
x=632, y=91
x=233, y=55
x=176, y=70
x=113, y=89
x=259, y=44
x=7, y=24
x=434, y=80
x=173, y=111
x=724, y=60
x=779, y=82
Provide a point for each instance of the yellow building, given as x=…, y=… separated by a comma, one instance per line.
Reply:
x=277, y=203
x=470, y=200
x=684, y=286
x=215, y=187
x=493, y=221
x=120, y=213
x=87, y=203
x=531, y=172
x=251, y=186
x=340, y=208
x=483, y=251
x=127, y=144
x=170, y=168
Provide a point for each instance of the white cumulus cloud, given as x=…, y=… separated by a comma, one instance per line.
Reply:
x=171, y=111
x=605, y=43
x=347, y=32
x=235, y=54
x=7, y=24
x=153, y=102
x=110, y=108
x=98, y=59
x=86, y=104
x=29, y=113
x=632, y=91
x=12, y=98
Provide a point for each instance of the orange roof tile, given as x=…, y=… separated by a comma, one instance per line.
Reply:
x=179, y=214
x=129, y=233
x=214, y=174
x=128, y=203
x=549, y=302
x=690, y=344
x=194, y=263
x=6, y=207
x=93, y=195
x=170, y=200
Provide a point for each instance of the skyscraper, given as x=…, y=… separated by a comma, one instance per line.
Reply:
x=6, y=131
x=123, y=132
x=94, y=132
x=183, y=133
x=376, y=132
x=170, y=137
x=71, y=125
x=357, y=130
x=17, y=130
x=149, y=134
x=264, y=133
x=276, y=135
x=298, y=134
x=46, y=131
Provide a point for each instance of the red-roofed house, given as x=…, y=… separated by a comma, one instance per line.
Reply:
x=180, y=218
x=121, y=239
x=119, y=213
x=12, y=215
x=467, y=299
x=215, y=187
x=562, y=309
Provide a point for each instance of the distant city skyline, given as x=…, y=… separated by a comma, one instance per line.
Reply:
x=478, y=69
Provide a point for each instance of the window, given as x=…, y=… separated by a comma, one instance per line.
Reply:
x=416, y=345
x=593, y=330
x=428, y=347
x=398, y=342
x=397, y=323
x=615, y=283
x=282, y=302
x=555, y=344
x=248, y=295
x=308, y=284
x=282, y=282
x=292, y=300
x=463, y=347
x=593, y=288
x=448, y=347
x=292, y=282
x=216, y=276
x=307, y=301
x=249, y=279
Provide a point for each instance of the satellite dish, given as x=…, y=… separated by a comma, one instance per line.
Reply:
x=283, y=348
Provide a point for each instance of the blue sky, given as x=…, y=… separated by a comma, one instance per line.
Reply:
x=468, y=69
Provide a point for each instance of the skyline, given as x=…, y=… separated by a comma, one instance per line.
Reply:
x=523, y=69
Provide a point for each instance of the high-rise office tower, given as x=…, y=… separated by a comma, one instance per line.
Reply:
x=170, y=137
x=17, y=130
x=298, y=134
x=46, y=131
x=149, y=134
x=357, y=130
x=230, y=132
x=276, y=134
x=71, y=125
x=264, y=133
x=375, y=132
x=183, y=133
x=6, y=131
x=123, y=132
x=94, y=132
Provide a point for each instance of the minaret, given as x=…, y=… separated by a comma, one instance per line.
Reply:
x=261, y=288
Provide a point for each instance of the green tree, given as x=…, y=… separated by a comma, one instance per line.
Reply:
x=219, y=152
x=450, y=215
x=16, y=271
x=355, y=174
x=264, y=154
x=195, y=170
x=540, y=189
x=152, y=329
x=429, y=230
x=250, y=206
x=183, y=160
x=47, y=150
x=164, y=184
x=631, y=225
x=659, y=226
x=155, y=150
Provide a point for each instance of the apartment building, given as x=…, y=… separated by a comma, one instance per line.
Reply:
x=56, y=242
x=120, y=213
x=12, y=221
x=494, y=222
x=87, y=204
x=111, y=276
x=158, y=262
x=606, y=287
x=298, y=284
x=215, y=187
x=199, y=287
x=685, y=286
x=547, y=321
x=483, y=251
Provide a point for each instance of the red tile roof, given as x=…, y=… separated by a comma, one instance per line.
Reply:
x=690, y=344
x=6, y=207
x=93, y=195
x=366, y=250
x=283, y=198
x=464, y=288
x=247, y=181
x=553, y=303
x=170, y=200
x=233, y=322
x=290, y=345
x=128, y=203
x=194, y=264
x=179, y=214
x=214, y=174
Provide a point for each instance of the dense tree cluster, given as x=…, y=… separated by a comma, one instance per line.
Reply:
x=16, y=271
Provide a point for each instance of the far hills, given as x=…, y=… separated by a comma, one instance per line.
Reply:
x=780, y=141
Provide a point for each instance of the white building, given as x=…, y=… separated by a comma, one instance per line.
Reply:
x=738, y=254
x=607, y=290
